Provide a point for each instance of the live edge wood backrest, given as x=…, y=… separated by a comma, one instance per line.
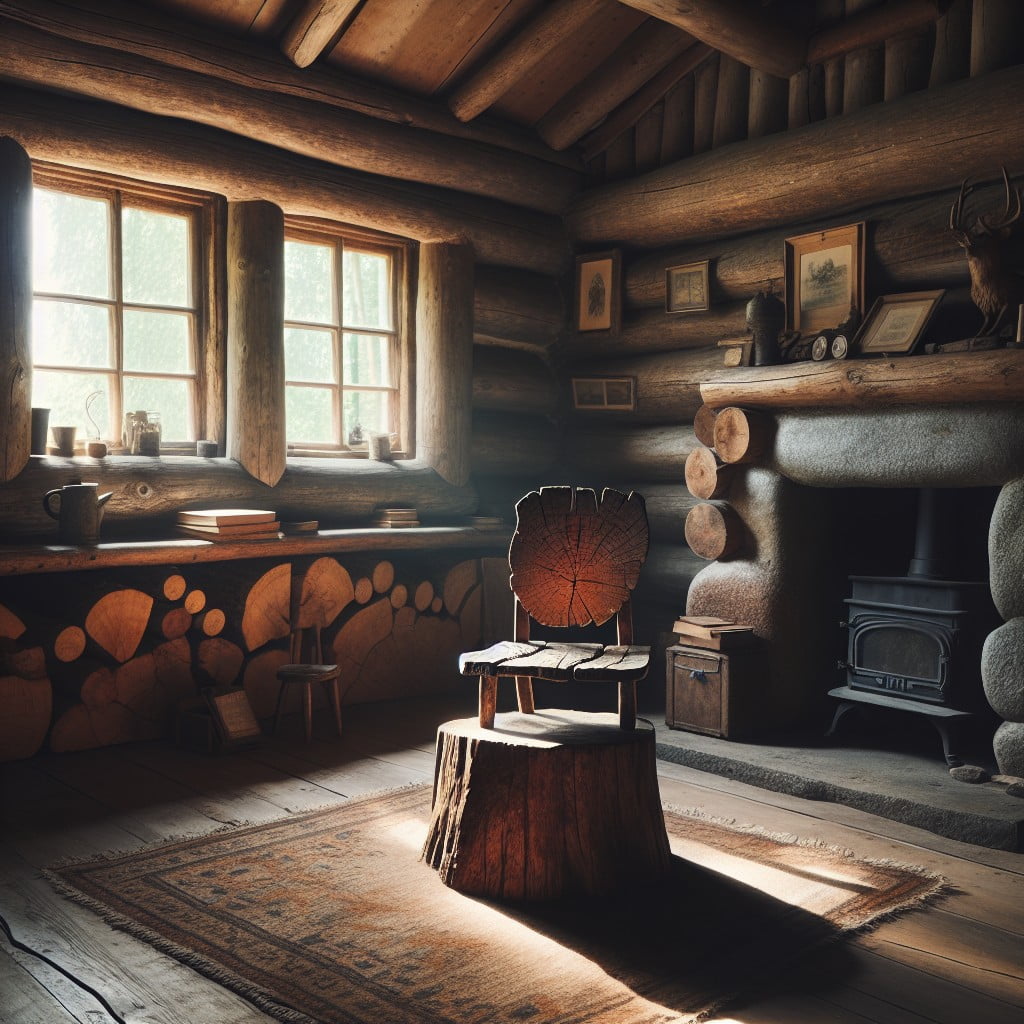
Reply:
x=575, y=560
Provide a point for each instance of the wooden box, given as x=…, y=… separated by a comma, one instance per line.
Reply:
x=713, y=692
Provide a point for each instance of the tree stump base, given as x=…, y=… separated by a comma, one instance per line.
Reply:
x=542, y=806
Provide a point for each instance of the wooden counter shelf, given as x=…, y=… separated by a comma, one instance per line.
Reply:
x=26, y=559
x=991, y=376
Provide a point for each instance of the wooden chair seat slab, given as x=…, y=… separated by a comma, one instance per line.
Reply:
x=558, y=662
x=307, y=673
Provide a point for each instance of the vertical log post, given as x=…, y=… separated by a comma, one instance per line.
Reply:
x=952, y=57
x=444, y=359
x=255, y=384
x=732, y=102
x=769, y=104
x=705, y=85
x=15, y=307
x=864, y=74
x=995, y=35
x=907, y=64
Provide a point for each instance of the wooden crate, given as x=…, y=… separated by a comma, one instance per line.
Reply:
x=713, y=692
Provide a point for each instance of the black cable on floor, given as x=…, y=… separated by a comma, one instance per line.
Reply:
x=16, y=944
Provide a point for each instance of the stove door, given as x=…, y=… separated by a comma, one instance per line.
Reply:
x=899, y=656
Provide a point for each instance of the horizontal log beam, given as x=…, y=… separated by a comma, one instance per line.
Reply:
x=509, y=380
x=668, y=384
x=909, y=247
x=555, y=23
x=915, y=146
x=103, y=137
x=310, y=32
x=517, y=307
x=149, y=491
x=511, y=444
x=995, y=376
x=322, y=131
x=615, y=451
x=755, y=37
x=872, y=27
x=667, y=575
x=667, y=507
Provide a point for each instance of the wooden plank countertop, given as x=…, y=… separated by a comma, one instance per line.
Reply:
x=27, y=559
x=991, y=376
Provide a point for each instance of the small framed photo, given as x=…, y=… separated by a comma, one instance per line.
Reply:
x=605, y=394
x=896, y=322
x=686, y=288
x=824, y=278
x=599, y=291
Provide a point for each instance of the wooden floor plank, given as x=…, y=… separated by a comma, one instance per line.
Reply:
x=23, y=1000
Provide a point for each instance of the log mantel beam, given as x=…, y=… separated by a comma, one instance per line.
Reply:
x=310, y=32
x=49, y=57
x=912, y=147
x=740, y=29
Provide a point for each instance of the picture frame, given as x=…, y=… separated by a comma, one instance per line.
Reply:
x=896, y=323
x=686, y=287
x=824, y=278
x=598, y=301
x=233, y=718
x=604, y=394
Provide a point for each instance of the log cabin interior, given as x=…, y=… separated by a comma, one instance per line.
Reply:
x=377, y=269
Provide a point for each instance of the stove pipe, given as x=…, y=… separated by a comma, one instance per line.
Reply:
x=931, y=552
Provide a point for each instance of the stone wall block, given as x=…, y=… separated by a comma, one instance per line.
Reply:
x=1006, y=551
x=1002, y=670
x=1009, y=748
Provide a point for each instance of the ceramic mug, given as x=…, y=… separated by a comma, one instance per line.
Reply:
x=64, y=440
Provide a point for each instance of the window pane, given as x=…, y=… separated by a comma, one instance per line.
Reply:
x=367, y=296
x=64, y=393
x=70, y=244
x=156, y=265
x=171, y=400
x=71, y=334
x=309, y=355
x=157, y=342
x=367, y=359
x=309, y=283
x=309, y=417
x=367, y=408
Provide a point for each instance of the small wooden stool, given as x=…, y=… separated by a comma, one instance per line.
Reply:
x=306, y=674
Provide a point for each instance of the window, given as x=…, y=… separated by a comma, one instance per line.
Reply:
x=344, y=338
x=118, y=303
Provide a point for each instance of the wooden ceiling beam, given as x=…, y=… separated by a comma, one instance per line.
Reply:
x=737, y=27
x=645, y=53
x=312, y=30
x=557, y=22
x=873, y=26
x=628, y=113
x=301, y=125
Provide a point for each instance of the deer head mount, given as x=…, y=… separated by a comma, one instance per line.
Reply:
x=995, y=284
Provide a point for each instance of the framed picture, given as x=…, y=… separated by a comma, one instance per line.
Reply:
x=824, y=278
x=598, y=291
x=896, y=322
x=604, y=393
x=686, y=288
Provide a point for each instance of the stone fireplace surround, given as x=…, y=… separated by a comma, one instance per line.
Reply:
x=779, y=581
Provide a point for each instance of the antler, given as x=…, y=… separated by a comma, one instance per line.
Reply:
x=1008, y=218
x=956, y=210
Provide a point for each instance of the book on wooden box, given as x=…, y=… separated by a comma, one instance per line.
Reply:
x=225, y=516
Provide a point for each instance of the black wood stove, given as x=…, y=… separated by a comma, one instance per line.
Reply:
x=914, y=642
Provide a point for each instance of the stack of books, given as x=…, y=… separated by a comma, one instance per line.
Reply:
x=394, y=518
x=712, y=633
x=222, y=524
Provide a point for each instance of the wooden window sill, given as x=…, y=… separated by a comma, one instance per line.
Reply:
x=26, y=559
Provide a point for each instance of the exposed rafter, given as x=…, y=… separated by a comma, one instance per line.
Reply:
x=646, y=52
x=556, y=23
x=872, y=27
x=312, y=29
x=744, y=31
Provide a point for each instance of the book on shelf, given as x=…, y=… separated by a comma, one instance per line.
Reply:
x=225, y=516
x=232, y=529
x=711, y=632
x=266, y=531
x=303, y=526
x=395, y=518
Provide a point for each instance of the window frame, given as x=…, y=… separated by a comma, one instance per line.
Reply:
x=400, y=250
x=206, y=214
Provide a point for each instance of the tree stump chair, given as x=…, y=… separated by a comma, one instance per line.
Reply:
x=575, y=561
x=306, y=652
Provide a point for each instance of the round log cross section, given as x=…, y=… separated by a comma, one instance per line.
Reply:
x=547, y=805
x=574, y=559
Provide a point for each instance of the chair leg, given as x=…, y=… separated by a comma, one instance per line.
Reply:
x=627, y=705
x=307, y=710
x=334, y=692
x=488, y=701
x=280, y=705
x=524, y=694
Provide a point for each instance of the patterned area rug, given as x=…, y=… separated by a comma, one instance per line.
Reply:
x=331, y=917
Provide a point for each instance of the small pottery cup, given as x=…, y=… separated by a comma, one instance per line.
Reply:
x=64, y=440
